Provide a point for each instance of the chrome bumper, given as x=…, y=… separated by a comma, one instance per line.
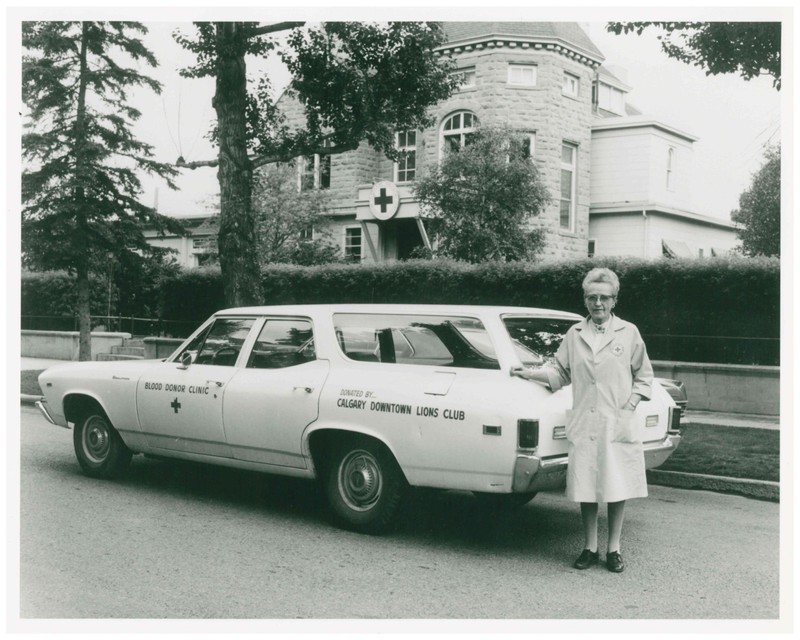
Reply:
x=41, y=405
x=532, y=473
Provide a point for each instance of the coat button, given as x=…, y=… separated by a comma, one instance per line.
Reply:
x=592, y=409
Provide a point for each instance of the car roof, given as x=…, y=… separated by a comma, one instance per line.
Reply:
x=429, y=309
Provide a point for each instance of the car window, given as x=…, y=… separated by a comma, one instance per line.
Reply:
x=221, y=343
x=283, y=342
x=536, y=340
x=446, y=341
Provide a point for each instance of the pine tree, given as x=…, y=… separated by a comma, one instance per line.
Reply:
x=80, y=186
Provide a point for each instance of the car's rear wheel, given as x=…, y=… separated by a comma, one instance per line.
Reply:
x=364, y=485
x=99, y=448
x=504, y=500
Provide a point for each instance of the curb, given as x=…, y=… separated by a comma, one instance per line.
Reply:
x=758, y=489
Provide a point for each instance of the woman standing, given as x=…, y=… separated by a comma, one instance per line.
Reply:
x=605, y=360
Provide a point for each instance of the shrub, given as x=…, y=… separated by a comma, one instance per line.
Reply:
x=703, y=310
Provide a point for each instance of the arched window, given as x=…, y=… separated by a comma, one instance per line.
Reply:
x=457, y=130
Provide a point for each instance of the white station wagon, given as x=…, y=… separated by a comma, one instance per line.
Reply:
x=368, y=399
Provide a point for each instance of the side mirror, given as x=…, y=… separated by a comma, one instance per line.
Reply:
x=186, y=360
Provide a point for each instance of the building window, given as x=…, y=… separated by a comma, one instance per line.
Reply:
x=591, y=248
x=571, y=85
x=569, y=159
x=314, y=171
x=405, y=169
x=467, y=77
x=523, y=145
x=522, y=75
x=458, y=130
x=352, y=244
x=611, y=99
x=671, y=169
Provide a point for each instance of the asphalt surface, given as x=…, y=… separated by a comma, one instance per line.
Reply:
x=183, y=541
x=759, y=489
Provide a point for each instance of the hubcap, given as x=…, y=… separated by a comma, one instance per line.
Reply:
x=360, y=480
x=96, y=439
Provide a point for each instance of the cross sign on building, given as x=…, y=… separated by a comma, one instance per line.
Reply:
x=383, y=200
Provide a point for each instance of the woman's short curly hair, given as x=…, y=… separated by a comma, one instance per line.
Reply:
x=602, y=274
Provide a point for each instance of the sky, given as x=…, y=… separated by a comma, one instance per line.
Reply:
x=734, y=119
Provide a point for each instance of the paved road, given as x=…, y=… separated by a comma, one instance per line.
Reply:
x=178, y=540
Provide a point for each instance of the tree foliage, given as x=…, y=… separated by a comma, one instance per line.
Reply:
x=482, y=198
x=357, y=82
x=759, y=210
x=80, y=187
x=285, y=218
x=747, y=48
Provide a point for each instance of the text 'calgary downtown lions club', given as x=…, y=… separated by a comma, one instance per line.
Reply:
x=360, y=400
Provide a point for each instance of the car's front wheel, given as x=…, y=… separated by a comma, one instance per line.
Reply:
x=364, y=485
x=99, y=448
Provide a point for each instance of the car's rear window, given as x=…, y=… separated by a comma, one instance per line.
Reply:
x=443, y=341
x=535, y=339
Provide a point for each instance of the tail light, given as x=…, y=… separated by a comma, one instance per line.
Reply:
x=527, y=434
x=674, y=420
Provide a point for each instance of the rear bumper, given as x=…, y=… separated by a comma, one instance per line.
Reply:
x=532, y=473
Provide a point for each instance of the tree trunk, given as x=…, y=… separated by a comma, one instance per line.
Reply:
x=84, y=313
x=82, y=268
x=241, y=276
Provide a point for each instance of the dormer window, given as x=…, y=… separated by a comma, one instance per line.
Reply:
x=610, y=99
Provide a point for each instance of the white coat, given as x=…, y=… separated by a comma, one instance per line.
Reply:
x=606, y=459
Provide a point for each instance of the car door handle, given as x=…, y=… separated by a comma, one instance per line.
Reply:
x=306, y=389
x=216, y=382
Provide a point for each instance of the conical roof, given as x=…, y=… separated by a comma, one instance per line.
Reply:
x=566, y=32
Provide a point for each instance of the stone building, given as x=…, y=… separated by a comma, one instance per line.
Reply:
x=618, y=180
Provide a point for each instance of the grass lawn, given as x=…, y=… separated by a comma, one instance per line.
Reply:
x=738, y=452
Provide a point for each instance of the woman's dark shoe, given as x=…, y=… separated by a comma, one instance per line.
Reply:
x=586, y=559
x=614, y=562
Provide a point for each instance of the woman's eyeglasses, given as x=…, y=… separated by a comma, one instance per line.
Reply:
x=594, y=299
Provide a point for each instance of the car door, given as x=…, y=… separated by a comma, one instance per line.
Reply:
x=180, y=406
x=271, y=400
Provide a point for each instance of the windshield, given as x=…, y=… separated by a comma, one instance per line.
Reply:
x=536, y=340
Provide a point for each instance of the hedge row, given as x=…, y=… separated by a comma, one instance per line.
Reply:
x=710, y=298
x=723, y=296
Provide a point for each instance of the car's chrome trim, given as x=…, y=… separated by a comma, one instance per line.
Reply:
x=40, y=404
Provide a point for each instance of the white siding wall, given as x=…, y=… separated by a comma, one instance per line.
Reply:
x=185, y=255
x=630, y=165
x=680, y=196
x=640, y=236
x=621, y=235
x=620, y=167
x=694, y=236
